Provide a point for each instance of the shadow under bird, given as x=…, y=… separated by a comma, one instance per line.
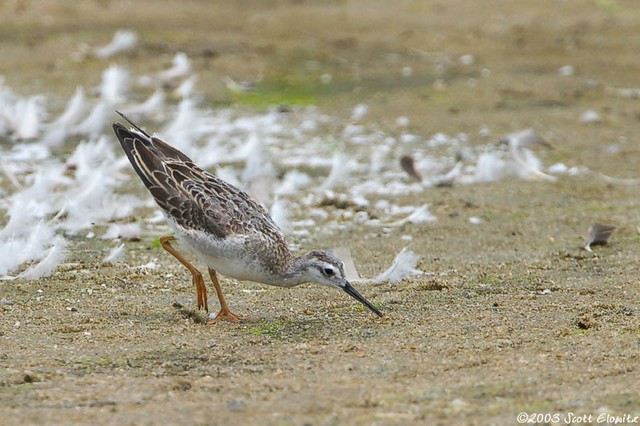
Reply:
x=224, y=227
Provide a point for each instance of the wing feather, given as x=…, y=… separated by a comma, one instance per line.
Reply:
x=193, y=197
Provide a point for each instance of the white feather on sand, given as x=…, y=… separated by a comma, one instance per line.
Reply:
x=37, y=243
x=45, y=267
x=152, y=264
x=90, y=156
x=524, y=162
x=75, y=109
x=55, y=137
x=27, y=246
x=184, y=127
x=29, y=116
x=28, y=206
x=27, y=153
x=490, y=167
x=350, y=271
x=114, y=85
x=421, y=214
x=339, y=174
x=124, y=231
x=90, y=197
x=10, y=175
x=94, y=202
x=259, y=173
x=280, y=214
x=379, y=159
x=150, y=108
x=94, y=123
x=589, y=117
x=180, y=68
x=10, y=260
x=238, y=87
x=403, y=266
x=115, y=254
x=449, y=178
x=527, y=166
x=359, y=111
x=187, y=88
x=292, y=182
x=597, y=234
x=123, y=40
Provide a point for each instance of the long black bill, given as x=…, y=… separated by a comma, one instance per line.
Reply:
x=348, y=288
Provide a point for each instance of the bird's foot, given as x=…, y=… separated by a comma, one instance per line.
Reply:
x=226, y=315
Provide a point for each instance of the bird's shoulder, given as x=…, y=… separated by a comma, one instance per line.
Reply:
x=201, y=200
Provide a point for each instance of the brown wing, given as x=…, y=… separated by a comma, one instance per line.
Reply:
x=195, y=198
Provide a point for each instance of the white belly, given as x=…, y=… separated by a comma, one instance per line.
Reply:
x=228, y=257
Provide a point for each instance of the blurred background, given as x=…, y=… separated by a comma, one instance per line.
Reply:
x=448, y=66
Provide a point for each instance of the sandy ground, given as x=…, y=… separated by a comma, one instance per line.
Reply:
x=473, y=341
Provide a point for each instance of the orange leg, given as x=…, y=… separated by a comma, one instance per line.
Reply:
x=198, y=280
x=225, y=312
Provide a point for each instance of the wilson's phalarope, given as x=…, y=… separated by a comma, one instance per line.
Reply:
x=226, y=229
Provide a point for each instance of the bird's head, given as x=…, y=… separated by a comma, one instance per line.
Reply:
x=324, y=268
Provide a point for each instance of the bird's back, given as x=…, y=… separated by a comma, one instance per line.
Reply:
x=193, y=198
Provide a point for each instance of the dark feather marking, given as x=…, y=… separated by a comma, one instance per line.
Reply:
x=195, y=198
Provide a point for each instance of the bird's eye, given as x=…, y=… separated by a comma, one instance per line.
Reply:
x=328, y=272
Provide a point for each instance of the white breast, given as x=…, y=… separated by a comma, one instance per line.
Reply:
x=229, y=257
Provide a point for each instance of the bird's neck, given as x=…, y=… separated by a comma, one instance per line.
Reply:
x=294, y=272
